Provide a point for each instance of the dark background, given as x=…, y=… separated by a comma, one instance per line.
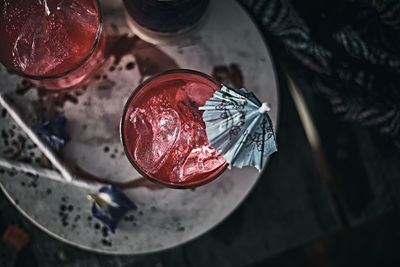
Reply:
x=334, y=206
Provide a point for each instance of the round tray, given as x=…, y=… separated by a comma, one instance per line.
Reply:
x=227, y=45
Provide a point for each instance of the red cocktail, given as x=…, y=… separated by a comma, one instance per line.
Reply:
x=57, y=42
x=163, y=132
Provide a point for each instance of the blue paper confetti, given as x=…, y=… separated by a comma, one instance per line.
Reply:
x=53, y=131
x=110, y=205
x=238, y=127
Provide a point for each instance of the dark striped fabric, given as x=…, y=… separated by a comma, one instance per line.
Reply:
x=352, y=48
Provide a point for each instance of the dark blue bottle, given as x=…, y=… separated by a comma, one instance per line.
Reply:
x=161, y=20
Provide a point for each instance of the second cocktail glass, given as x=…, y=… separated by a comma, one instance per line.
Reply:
x=56, y=44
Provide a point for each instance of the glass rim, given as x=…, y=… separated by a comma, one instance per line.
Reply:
x=173, y=185
x=79, y=64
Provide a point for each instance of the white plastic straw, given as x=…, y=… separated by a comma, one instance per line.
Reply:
x=41, y=172
x=46, y=150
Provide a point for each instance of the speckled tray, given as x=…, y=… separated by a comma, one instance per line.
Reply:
x=227, y=45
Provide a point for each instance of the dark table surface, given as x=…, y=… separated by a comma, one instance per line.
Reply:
x=295, y=216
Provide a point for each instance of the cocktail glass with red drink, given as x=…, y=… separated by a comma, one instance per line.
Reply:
x=163, y=132
x=56, y=44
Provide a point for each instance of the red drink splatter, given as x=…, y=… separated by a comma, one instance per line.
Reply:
x=47, y=37
x=164, y=133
